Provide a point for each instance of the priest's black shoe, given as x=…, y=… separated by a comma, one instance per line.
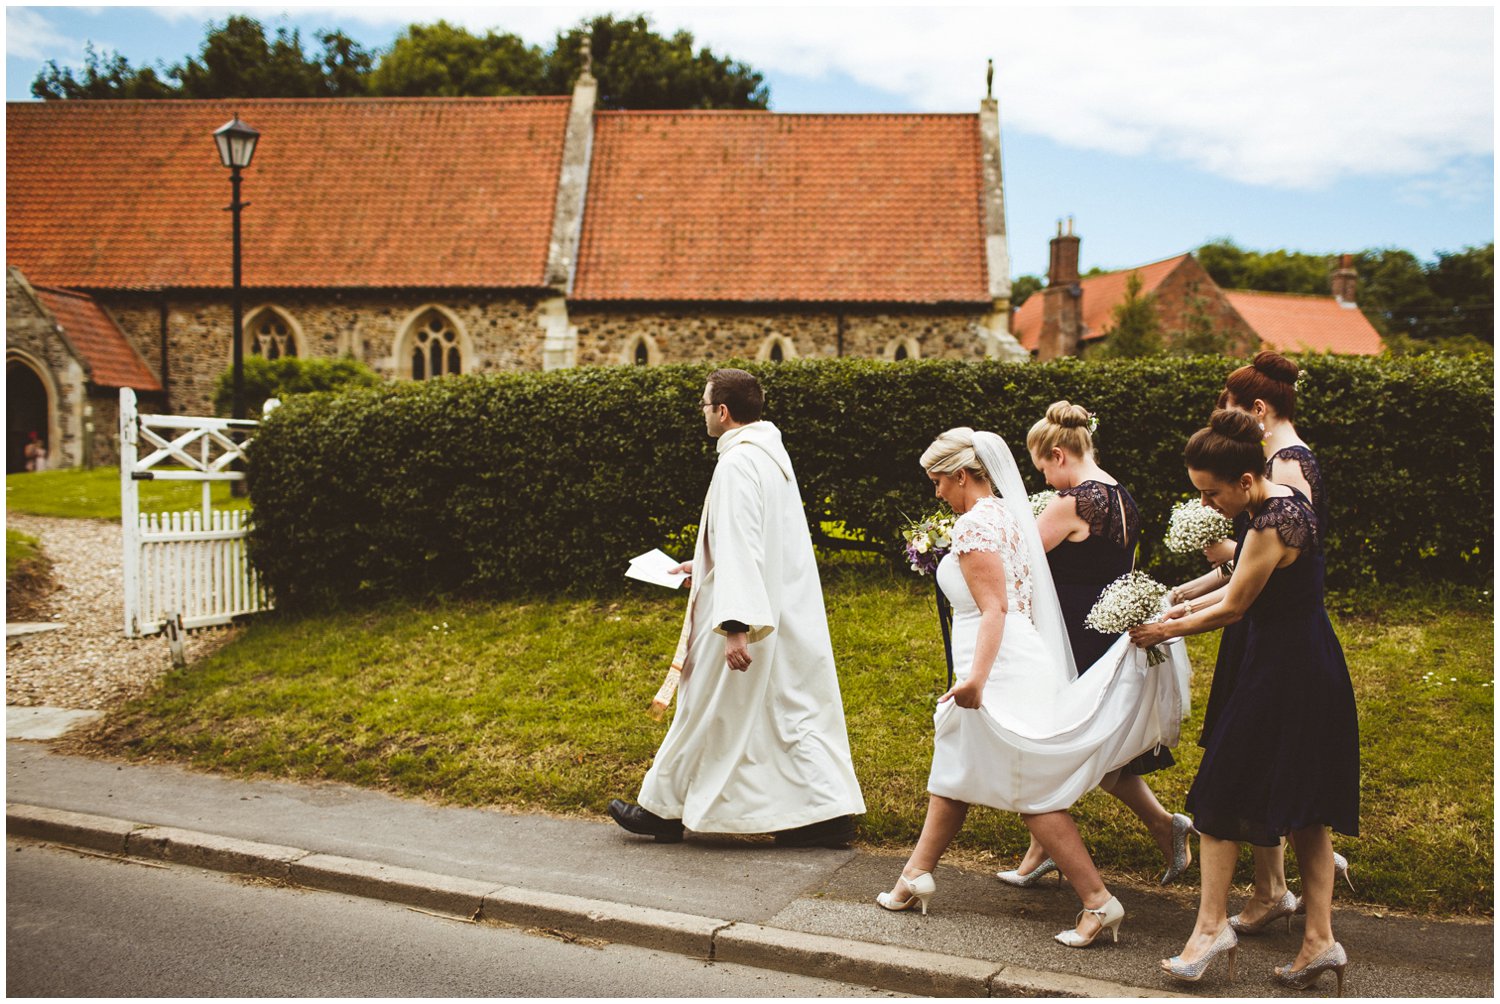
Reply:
x=648, y=824
x=835, y=832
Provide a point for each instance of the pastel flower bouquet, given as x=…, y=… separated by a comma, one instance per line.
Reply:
x=927, y=540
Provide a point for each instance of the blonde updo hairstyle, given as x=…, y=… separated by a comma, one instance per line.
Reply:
x=952, y=452
x=1066, y=426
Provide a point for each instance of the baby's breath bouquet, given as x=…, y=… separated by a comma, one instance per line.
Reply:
x=1040, y=500
x=928, y=539
x=1134, y=598
x=1194, y=526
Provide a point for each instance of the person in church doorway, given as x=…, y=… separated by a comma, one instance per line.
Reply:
x=758, y=743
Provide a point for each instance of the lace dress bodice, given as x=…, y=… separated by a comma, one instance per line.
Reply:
x=989, y=526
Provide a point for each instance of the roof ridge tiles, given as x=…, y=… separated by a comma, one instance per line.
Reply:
x=769, y=112
x=94, y=103
x=1277, y=292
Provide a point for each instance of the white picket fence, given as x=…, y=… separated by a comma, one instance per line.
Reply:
x=187, y=569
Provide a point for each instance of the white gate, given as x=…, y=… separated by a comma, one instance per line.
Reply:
x=190, y=565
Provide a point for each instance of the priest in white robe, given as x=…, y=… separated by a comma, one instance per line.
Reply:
x=758, y=743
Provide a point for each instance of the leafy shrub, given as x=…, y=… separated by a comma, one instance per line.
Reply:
x=508, y=483
x=281, y=378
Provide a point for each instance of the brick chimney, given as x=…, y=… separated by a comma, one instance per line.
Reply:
x=1344, y=281
x=1062, y=300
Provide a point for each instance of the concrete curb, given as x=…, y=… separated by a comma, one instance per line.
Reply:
x=888, y=967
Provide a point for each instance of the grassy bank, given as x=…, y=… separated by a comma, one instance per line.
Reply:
x=28, y=577
x=542, y=704
x=20, y=549
x=75, y=493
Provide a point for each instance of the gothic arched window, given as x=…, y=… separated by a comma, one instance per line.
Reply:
x=271, y=333
x=433, y=348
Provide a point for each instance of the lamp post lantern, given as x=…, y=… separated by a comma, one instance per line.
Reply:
x=236, y=143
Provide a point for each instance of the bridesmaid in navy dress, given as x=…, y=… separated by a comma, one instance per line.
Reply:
x=1090, y=532
x=1265, y=390
x=1283, y=758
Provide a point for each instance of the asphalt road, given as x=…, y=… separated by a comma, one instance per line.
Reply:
x=84, y=925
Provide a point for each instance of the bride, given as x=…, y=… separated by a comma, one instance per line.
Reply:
x=1020, y=730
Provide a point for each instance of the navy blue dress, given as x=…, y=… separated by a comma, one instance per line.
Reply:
x=1284, y=753
x=1082, y=568
x=1232, y=638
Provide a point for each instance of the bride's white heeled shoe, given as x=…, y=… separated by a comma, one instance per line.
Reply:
x=921, y=888
x=1110, y=915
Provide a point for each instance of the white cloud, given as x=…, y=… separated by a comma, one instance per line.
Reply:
x=1285, y=97
x=29, y=35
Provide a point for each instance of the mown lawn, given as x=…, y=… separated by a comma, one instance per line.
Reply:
x=542, y=704
x=75, y=493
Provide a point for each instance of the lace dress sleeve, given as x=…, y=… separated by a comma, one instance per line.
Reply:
x=973, y=532
x=989, y=526
x=1110, y=514
x=1093, y=505
x=1311, y=473
x=1293, y=520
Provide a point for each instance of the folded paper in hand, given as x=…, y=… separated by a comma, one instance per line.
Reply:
x=652, y=567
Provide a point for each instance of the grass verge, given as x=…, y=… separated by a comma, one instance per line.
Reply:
x=75, y=493
x=542, y=704
x=28, y=576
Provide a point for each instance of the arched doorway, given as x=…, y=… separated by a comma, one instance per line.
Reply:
x=26, y=411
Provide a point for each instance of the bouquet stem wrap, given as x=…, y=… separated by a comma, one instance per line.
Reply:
x=945, y=622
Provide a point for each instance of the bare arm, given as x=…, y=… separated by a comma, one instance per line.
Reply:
x=1262, y=554
x=984, y=572
x=1206, y=583
x=1060, y=521
x=1219, y=552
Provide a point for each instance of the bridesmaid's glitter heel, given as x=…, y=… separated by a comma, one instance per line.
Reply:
x=1192, y=972
x=1181, y=827
x=1306, y=977
x=1285, y=907
x=1340, y=871
x=1031, y=878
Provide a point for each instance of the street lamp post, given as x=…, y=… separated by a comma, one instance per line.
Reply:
x=236, y=142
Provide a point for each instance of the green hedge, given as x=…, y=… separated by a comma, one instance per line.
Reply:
x=509, y=483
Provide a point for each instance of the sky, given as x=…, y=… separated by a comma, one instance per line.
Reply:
x=1321, y=130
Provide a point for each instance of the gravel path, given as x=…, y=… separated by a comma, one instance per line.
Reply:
x=89, y=663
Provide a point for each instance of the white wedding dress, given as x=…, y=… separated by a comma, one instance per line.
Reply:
x=1041, y=740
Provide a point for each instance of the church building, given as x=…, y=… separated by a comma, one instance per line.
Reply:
x=436, y=236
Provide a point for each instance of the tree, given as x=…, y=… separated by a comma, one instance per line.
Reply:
x=446, y=60
x=236, y=60
x=1200, y=334
x=103, y=76
x=1442, y=302
x=1134, y=329
x=281, y=378
x=637, y=68
x=1022, y=287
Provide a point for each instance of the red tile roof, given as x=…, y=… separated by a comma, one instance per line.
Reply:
x=1101, y=294
x=355, y=193
x=110, y=359
x=1293, y=322
x=755, y=206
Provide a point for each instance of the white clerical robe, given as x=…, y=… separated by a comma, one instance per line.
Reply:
x=764, y=749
